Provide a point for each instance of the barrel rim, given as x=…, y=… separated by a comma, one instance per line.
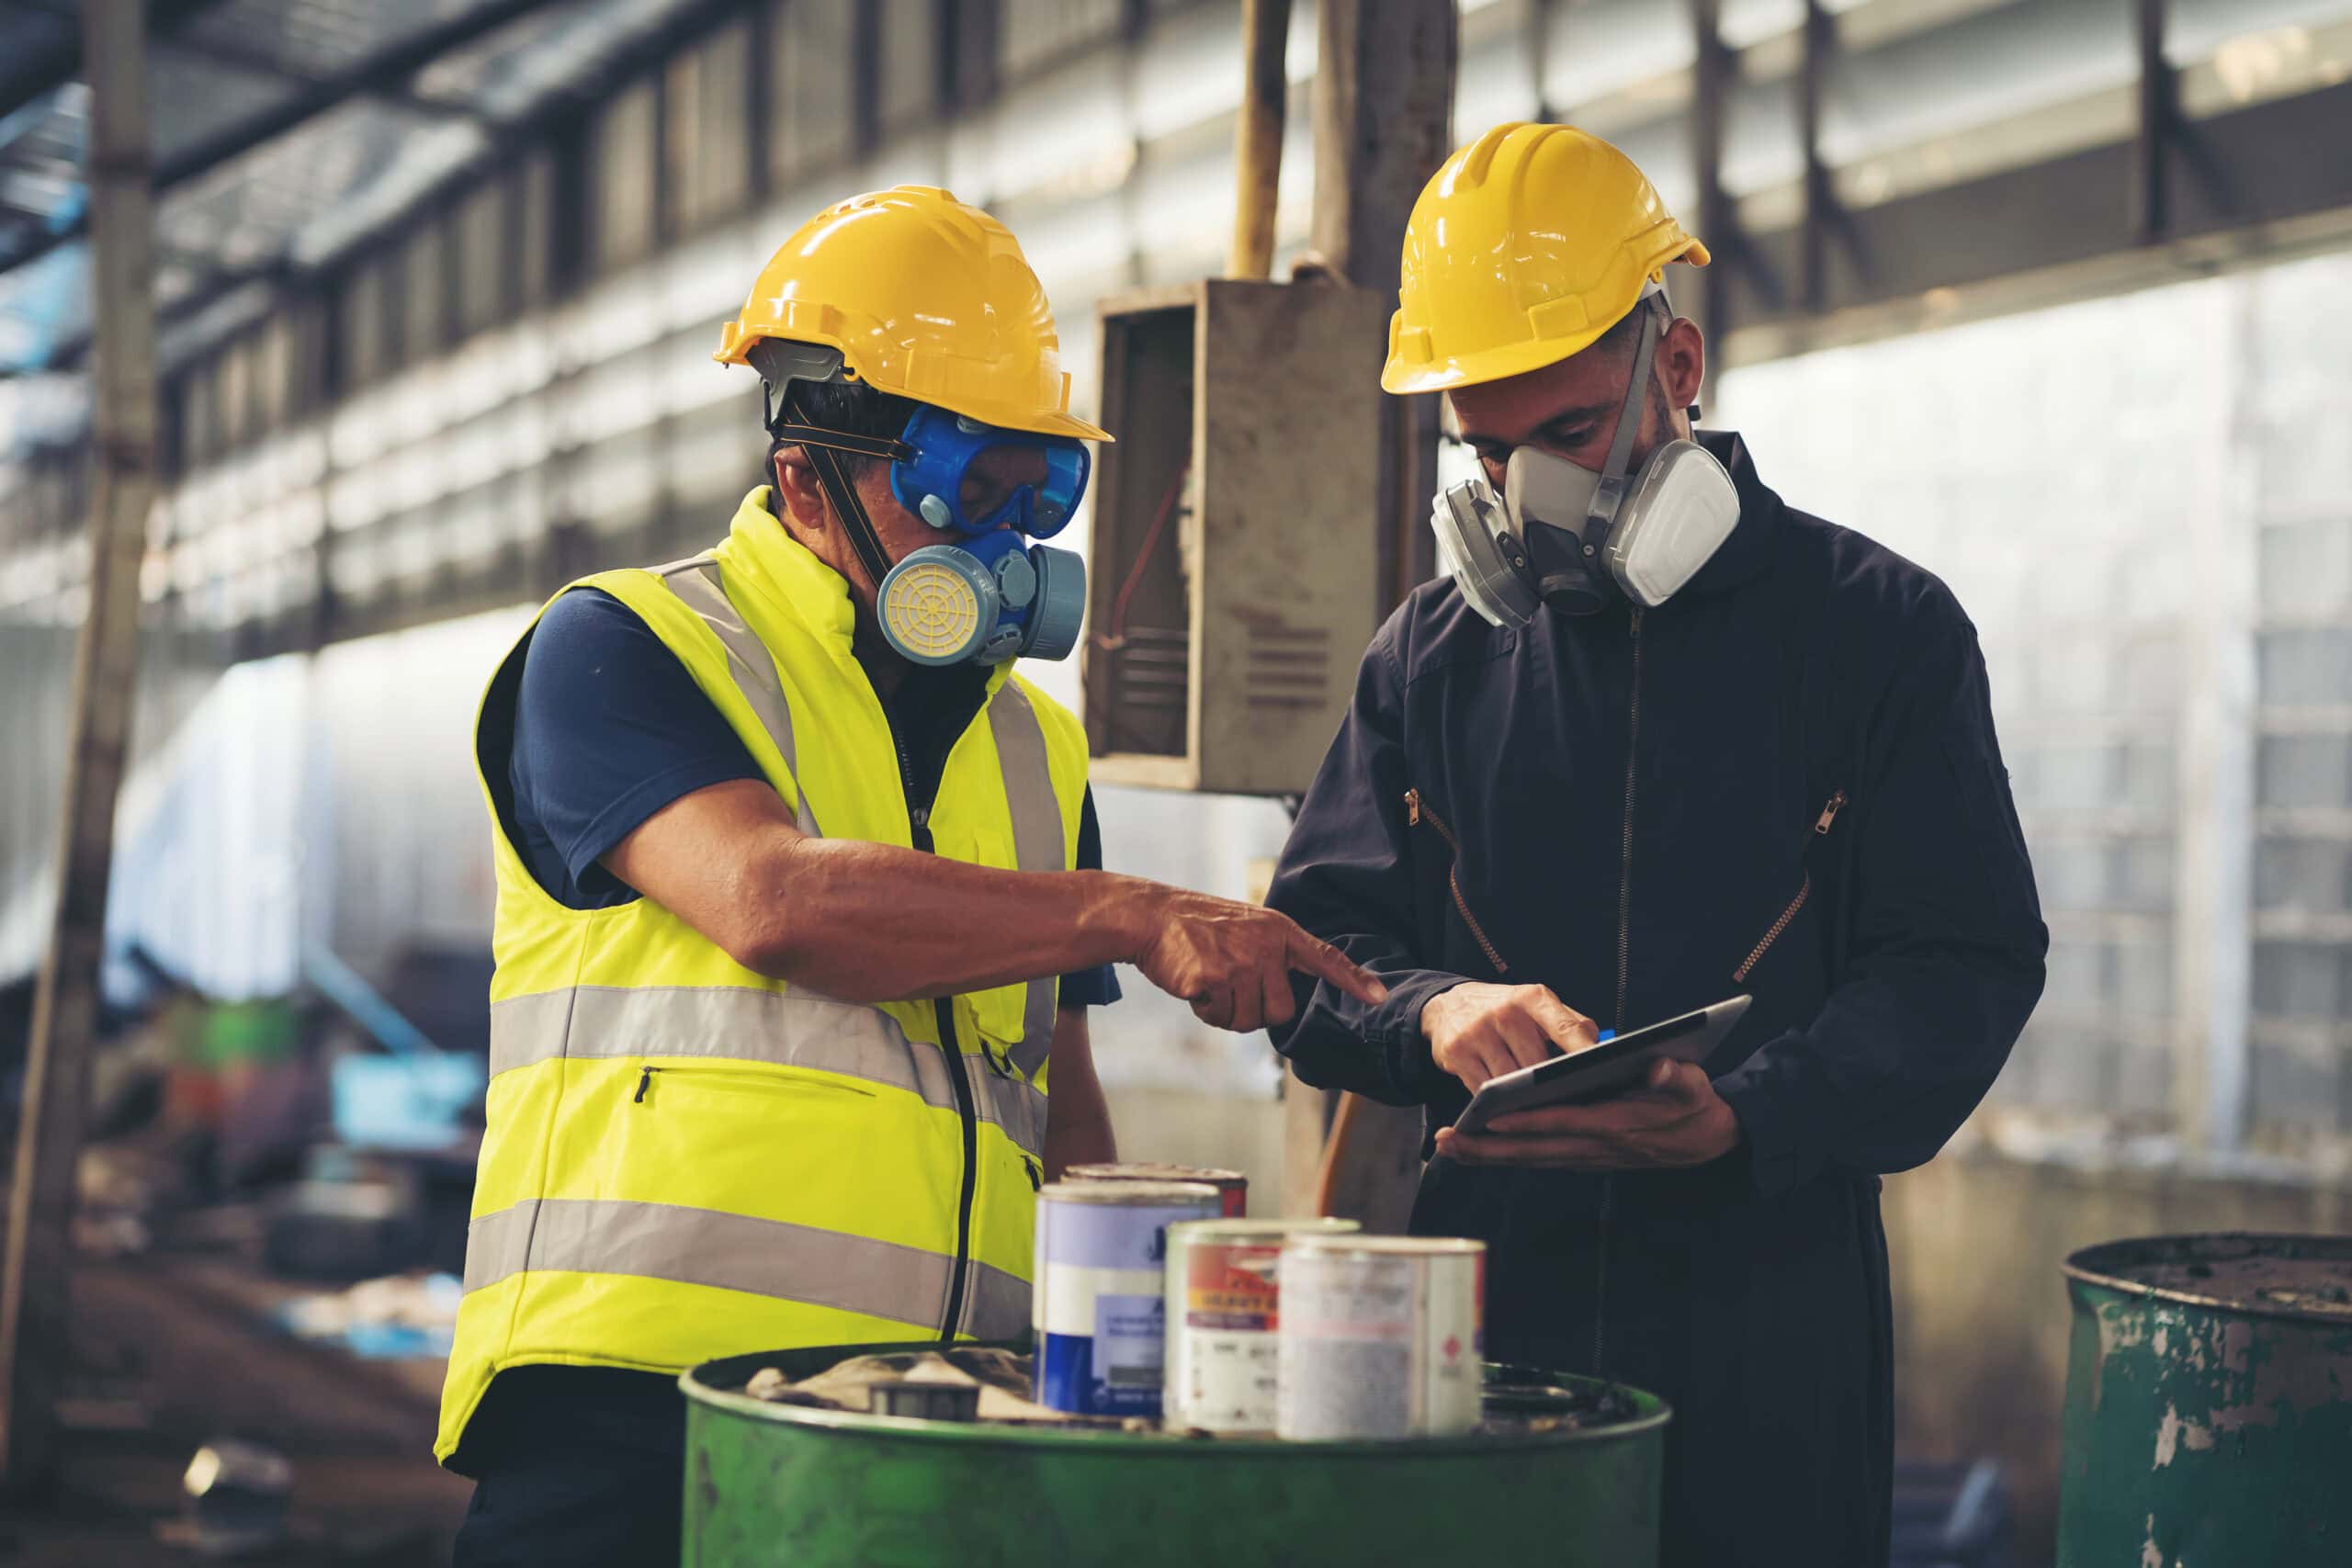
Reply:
x=2083, y=1266
x=858, y=1422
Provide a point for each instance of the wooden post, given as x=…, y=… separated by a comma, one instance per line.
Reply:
x=1257, y=136
x=1383, y=122
x=33, y=1289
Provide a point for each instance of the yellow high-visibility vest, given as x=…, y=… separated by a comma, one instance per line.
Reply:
x=684, y=1159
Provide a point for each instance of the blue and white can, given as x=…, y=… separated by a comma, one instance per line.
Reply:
x=1100, y=1300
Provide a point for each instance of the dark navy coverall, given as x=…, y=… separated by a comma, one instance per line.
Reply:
x=1783, y=783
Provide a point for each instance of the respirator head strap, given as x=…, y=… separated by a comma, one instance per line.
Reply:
x=1614, y=481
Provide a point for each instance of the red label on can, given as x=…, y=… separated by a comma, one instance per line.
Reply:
x=1231, y=1288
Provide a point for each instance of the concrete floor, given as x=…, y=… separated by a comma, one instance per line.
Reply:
x=170, y=1351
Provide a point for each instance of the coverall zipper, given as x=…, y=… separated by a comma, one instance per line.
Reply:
x=1624, y=975
x=919, y=834
x=1821, y=826
x=1415, y=812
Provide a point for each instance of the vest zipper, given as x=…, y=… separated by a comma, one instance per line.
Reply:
x=1625, y=977
x=943, y=1010
x=1415, y=811
x=1821, y=826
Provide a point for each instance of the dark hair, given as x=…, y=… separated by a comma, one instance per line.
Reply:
x=1624, y=334
x=851, y=407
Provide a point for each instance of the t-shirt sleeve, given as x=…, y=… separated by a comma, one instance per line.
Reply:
x=608, y=730
x=1090, y=987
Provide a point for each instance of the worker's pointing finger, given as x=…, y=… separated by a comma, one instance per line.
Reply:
x=1569, y=1029
x=1311, y=956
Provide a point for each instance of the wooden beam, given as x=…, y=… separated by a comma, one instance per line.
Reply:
x=33, y=1286
x=1383, y=122
x=1257, y=136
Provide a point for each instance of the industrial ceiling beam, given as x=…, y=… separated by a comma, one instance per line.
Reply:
x=383, y=70
x=28, y=79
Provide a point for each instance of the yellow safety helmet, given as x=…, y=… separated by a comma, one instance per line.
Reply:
x=924, y=297
x=1523, y=249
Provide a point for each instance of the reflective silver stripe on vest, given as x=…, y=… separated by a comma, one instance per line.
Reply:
x=728, y=1252
x=996, y=1305
x=695, y=582
x=791, y=1029
x=1037, y=842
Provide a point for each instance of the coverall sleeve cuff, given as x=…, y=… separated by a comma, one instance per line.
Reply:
x=1395, y=1027
x=1771, y=1123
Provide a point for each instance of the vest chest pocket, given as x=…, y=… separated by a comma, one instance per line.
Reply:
x=694, y=1079
x=768, y=1142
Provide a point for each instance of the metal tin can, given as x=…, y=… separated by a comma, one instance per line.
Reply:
x=1099, y=1304
x=1223, y=1300
x=1233, y=1188
x=1380, y=1336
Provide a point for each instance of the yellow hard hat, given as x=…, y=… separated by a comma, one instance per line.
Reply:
x=1525, y=248
x=924, y=297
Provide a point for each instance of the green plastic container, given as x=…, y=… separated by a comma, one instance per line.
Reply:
x=787, y=1487
x=2208, y=1403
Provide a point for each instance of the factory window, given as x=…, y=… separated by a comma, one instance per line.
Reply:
x=708, y=147
x=810, y=113
x=2141, y=501
x=481, y=229
x=910, y=63
x=1036, y=34
x=622, y=176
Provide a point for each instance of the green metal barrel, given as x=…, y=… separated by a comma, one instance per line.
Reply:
x=782, y=1486
x=2208, y=1403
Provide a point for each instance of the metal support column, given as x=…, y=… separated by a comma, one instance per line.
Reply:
x=2158, y=112
x=34, y=1287
x=1820, y=196
x=1712, y=77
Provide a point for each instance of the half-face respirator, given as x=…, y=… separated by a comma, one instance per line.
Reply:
x=984, y=594
x=1565, y=536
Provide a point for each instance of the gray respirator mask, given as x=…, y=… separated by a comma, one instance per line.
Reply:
x=1565, y=536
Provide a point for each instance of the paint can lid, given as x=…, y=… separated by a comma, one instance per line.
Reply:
x=1129, y=1194
x=1262, y=1232
x=1389, y=1246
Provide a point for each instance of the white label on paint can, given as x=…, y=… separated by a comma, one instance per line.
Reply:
x=1379, y=1345
x=1225, y=1375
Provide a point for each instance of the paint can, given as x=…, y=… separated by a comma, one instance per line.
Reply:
x=1224, y=1302
x=1099, y=1303
x=1380, y=1336
x=1233, y=1188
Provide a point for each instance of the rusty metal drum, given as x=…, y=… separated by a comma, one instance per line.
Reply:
x=2209, y=1402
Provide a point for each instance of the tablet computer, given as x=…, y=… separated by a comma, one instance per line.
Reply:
x=1605, y=1069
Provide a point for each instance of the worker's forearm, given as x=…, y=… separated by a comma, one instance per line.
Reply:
x=872, y=922
x=1077, y=1123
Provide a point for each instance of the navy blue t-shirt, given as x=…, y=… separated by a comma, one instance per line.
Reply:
x=609, y=728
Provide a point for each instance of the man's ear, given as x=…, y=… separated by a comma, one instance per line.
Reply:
x=1682, y=361
x=800, y=500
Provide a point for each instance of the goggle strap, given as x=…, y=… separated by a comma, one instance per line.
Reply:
x=841, y=441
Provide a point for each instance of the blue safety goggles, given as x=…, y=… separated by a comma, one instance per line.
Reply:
x=956, y=473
